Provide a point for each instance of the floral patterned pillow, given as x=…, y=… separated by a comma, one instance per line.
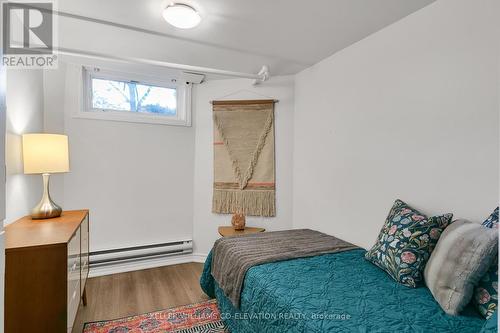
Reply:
x=405, y=243
x=486, y=293
x=492, y=220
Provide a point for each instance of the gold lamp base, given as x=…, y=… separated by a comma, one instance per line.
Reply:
x=46, y=208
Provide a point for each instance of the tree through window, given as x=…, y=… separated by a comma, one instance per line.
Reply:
x=133, y=96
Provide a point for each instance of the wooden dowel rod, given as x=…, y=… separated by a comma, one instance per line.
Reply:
x=245, y=102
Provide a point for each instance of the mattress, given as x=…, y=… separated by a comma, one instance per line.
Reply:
x=339, y=292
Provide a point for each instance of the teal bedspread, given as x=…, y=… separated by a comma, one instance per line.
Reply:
x=339, y=292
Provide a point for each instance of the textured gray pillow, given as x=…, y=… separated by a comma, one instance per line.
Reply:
x=462, y=255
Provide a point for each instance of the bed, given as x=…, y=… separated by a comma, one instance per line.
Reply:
x=340, y=292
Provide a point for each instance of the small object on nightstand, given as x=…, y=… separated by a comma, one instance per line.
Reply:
x=238, y=221
x=229, y=231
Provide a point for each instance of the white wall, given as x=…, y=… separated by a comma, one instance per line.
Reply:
x=24, y=115
x=205, y=223
x=410, y=112
x=136, y=179
x=53, y=120
x=3, y=116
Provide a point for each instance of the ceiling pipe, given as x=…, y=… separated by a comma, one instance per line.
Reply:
x=264, y=75
x=260, y=77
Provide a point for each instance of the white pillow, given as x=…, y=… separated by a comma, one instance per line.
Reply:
x=462, y=255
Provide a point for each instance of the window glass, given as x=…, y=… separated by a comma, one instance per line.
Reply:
x=133, y=97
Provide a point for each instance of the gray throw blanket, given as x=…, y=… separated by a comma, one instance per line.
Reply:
x=232, y=257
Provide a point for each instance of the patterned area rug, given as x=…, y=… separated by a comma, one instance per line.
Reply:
x=194, y=318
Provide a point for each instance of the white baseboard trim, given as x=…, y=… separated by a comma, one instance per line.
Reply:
x=199, y=257
x=122, y=267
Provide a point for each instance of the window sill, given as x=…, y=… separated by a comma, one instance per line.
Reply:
x=132, y=118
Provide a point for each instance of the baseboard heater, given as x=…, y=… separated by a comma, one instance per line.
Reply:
x=136, y=253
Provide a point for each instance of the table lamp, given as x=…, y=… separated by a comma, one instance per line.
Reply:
x=45, y=154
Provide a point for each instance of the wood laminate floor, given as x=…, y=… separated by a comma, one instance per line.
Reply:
x=127, y=294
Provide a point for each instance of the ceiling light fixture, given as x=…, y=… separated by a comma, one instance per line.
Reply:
x=181, y=16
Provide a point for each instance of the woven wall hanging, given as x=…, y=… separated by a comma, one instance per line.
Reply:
x=244, y=165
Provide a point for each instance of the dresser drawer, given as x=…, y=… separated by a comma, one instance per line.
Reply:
x=73, y=277
x=73, y=302
x=84, y=259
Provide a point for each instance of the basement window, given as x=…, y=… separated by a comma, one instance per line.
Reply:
x=119, y=96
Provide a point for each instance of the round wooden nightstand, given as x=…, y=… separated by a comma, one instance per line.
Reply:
x=229, y=231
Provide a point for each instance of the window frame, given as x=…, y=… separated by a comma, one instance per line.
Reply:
x=87, y=111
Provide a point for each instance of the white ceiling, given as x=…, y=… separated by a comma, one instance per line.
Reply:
x=290, y=35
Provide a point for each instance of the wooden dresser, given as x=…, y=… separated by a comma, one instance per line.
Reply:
x=46, y=267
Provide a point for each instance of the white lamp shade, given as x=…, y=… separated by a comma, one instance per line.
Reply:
x=45, y=153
